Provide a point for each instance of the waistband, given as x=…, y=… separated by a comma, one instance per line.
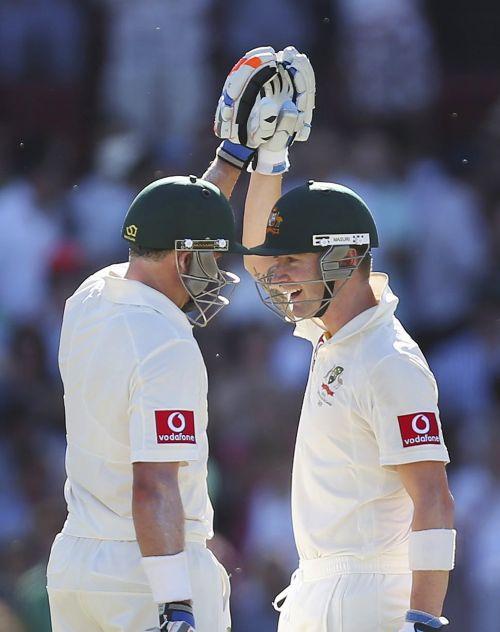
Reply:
x=322, y=567
x=126, y=533
x=190, y=538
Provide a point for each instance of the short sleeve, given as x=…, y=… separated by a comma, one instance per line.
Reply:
x=167, y=406
x=404, y=412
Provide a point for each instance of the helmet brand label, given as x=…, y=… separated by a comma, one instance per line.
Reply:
x=218, y=245
x=345, y=239
x=131, y=232
x=175, y=426
x=419, y=429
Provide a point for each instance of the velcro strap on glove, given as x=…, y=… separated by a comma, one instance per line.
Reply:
x=237, y=155
x=419, y=621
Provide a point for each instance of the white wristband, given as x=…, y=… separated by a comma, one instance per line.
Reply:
x=168, y=576
x=271, y=163
x=432, y=550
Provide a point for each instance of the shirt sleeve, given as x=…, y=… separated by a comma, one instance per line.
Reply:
x=167, y=405
x=404, y=412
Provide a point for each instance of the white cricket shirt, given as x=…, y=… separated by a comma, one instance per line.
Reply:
x=370, y=403
x=135, y=389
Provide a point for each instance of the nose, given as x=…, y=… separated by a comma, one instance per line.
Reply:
x=277, y=274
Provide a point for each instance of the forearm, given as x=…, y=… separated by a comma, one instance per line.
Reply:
x=223, y=175
x=158, y=519
x=159, y=525
x=428, y=591
x=429, y=587
x=263, y=191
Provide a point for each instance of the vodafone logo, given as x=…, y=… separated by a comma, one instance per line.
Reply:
x=175, y=426
x=421, y=424
x=419, y=429
x=176, y=421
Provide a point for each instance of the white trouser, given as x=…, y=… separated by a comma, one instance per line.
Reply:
x=345, y=595
x=99, y=585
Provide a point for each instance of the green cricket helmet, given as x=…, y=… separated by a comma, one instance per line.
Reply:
x=188, y=214
x=316, y=217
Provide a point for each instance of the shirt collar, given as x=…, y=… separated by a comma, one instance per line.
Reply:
x=313, y=328
x=382, y=312
x=119, y=289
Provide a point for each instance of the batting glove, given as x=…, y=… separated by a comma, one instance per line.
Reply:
x=280, y=113
x=175, y=617
x=236, y=107
x=277, y=94
x=294, y=90
x=301, y=73
x=272, y=123
x=418, y=621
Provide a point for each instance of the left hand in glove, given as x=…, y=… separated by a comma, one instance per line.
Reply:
x=239, y=94
x=418, y=621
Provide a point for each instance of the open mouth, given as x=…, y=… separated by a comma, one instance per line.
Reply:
x=295, y=295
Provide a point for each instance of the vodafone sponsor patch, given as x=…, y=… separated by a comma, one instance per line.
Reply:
x=175, y=426
x=419, y=429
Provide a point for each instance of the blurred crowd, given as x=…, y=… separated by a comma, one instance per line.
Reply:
x=100, y=97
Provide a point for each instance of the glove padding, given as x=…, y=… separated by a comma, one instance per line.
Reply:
x=175, y=617
x=272, y=156
x=294, y=90
x=418, y=621
x=301, y=73
x=239, y=94
x=279, y=114
x=272, y=124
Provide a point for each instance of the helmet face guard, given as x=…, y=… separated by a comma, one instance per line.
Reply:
x=334, y=265
x=204, y=281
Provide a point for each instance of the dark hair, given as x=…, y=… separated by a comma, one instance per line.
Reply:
x=136, y=251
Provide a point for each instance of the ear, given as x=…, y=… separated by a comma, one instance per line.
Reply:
x=184, y=261
x=350, y=259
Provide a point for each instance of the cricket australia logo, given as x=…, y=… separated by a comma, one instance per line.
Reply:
x=274, y=221
x=330, y=384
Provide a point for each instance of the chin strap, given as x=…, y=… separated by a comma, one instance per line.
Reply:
x=326, y=300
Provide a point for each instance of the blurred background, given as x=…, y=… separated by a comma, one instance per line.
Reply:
x=100, y=97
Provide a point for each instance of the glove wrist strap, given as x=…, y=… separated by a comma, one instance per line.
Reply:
x=429, y=620
x=271, y=163
x=236, y=155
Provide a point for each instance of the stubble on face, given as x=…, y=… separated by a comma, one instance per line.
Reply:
x=298, y=280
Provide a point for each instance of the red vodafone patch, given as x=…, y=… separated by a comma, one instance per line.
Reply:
x=419, y=429
x=175, y=426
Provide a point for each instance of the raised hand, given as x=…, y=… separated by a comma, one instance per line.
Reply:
x=240, y=91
